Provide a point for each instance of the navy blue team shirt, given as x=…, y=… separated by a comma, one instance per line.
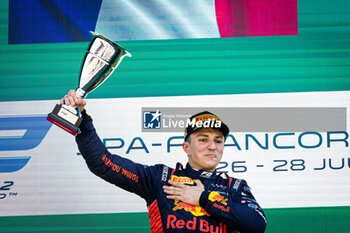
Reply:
x=227, y=204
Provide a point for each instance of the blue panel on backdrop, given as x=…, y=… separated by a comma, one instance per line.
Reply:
x=47, y=21
x=35, y=129
x=24, y=133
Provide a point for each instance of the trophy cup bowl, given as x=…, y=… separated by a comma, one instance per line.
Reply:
x=101, y=58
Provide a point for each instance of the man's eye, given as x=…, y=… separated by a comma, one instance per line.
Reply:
x=219, y=141
x=202, y=139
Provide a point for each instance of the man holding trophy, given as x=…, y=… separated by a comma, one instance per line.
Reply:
x=101, y=58
x=190, y=199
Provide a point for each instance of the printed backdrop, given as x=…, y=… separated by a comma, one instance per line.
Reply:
x=291, y=170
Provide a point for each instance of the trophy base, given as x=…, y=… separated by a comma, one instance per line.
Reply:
x=65, y=119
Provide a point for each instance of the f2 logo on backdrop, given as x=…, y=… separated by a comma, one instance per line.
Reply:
x=20, y=133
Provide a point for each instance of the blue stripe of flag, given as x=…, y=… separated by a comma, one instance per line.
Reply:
x=50, y=21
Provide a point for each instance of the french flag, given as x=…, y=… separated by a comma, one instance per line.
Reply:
x=47, y=21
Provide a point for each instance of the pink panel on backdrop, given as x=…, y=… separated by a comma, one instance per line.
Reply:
x=257, y=17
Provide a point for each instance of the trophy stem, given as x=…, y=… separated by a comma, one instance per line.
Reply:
x=80, y=93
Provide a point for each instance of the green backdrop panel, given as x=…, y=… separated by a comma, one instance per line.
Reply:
x=291, y=220
x=318, y=59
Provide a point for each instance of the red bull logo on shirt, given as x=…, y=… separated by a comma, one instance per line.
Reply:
x=220, y=202
x=173, y=222
x=216, y=197
x=194, y=210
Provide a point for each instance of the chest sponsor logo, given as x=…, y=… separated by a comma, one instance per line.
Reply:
x=182, y=179
x=194, y=210
x=196, y=223
x=216, y=197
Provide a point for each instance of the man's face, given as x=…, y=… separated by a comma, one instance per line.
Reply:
x=205, y=149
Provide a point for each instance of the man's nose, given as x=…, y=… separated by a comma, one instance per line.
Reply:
x=212, y=145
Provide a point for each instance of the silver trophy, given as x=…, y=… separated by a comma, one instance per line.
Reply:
x=101, y=59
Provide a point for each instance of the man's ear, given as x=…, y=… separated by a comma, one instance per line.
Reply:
x=186, y=148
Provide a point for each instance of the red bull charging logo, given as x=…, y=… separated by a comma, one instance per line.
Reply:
x=179, y=205
x=195, y=210
x=216, y=197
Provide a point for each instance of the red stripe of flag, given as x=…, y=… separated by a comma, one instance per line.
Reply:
x=257, y=17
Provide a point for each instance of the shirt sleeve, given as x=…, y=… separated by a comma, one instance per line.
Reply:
x=126, y=174
x=238, y=208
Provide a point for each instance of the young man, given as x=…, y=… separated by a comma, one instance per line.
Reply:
x=191, y=199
